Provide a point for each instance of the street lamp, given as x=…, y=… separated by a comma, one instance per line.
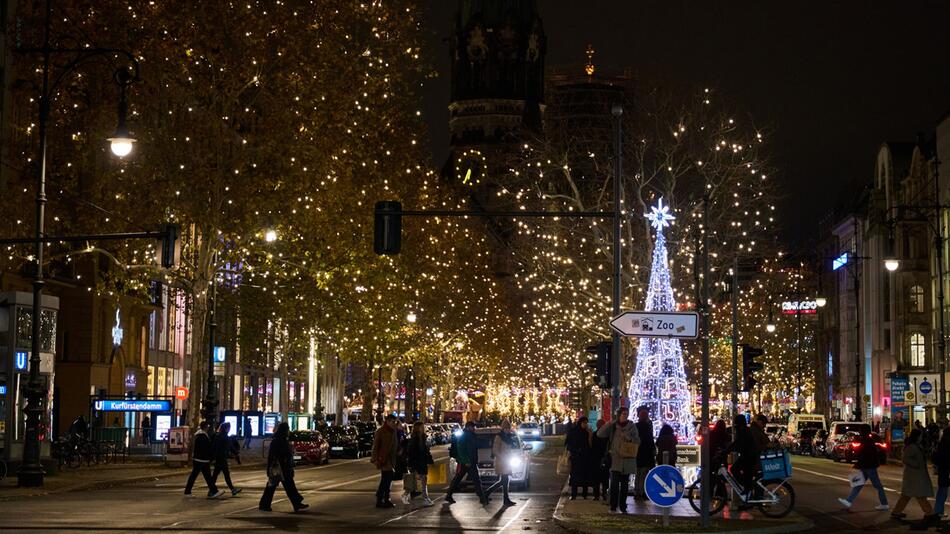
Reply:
x=770, y=325
x=821, y=301
x=892, y=264
x=31, y=472
x=121, y=141
x=270, y=236
x=411, y=317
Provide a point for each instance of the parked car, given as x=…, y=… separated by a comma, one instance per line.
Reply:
x=365, y=431
x=310, y=447
x=521, y=462
x=437, y=433
x=840, y=428
x=344, y=442
x=846, y=447
x=776, y=433
x=529, y=431
x=797, y=422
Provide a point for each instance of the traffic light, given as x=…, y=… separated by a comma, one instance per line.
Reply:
x=169, y=250
x=750, y=366
x=387, y=228
x=601, y=368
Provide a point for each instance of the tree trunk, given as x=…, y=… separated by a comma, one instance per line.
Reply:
x=370, y=391
x=199, y=333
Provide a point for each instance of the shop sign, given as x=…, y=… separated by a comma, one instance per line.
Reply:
x=799, y=306
x=181, y=393
x=687, y=455
x=133, y=405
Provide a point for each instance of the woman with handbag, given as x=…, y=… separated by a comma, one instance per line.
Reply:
x=419, y=461
x=623, y=445
x=280, y=470
x=867, y=463
x=502, y=449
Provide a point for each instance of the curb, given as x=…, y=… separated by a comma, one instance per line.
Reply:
x=573, y=526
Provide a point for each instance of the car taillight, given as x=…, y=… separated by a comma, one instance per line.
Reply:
x=855, y=445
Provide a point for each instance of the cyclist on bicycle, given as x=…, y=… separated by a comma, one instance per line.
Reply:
x=746, y=466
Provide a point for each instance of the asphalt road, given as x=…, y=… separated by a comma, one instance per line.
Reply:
x=340, y=494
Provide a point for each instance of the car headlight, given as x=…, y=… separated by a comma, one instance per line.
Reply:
x=521, y=432
x=515, y=462
x=457, y=433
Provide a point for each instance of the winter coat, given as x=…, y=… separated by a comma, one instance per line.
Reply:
x=744, y=445
x=614, y=434
x=760, y=438
x=503, y=450
x=419, y=458
x=916, y=482
x=202, y=448
x=646, y=454
x=667, y=444
x=942, y=459
x=220, y=448
x=280, y=455
x=599, y=459
x=465, y=448
x=867, y=454
x=578, y=444
x=385, y=449
x=718, y=443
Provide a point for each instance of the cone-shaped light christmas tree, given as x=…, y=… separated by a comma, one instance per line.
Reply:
x=660, y=379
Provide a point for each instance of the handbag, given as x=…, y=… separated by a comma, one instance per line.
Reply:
x=857, y=479
x=564, y=464
x=409, y=482
x=628, y=449
x=274, y=472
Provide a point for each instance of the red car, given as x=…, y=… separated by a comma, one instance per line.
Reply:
x=309, y=447
x=846, y=447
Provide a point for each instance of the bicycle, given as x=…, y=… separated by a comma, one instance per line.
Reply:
x=777, y=496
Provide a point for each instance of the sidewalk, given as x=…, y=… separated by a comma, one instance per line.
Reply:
x=134, y=470
x=592, y=517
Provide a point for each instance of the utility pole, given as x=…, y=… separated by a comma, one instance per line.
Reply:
x=617, y=112
x=210, y=402
x=735, y=334
x=941, y=340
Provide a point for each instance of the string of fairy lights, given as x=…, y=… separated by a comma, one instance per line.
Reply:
x=271, y=151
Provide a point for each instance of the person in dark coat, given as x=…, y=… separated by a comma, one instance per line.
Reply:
x=646, y=455
x=666, y=442
x=941, y=457
x=718, y=441
x=201, y=457
x=146, y=430
x=745, y=467
x=220, y=449
x=280, y=470
x=384, y=456
x=599, y=463
x=248, y=431
x=465, y=451
x=578, y=444
x=867, y=462
x=915, y=483
x=419, y=460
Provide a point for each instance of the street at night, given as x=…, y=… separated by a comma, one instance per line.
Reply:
x=474, y=266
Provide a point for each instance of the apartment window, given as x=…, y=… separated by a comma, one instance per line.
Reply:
x=916, y=299
x=918, y=351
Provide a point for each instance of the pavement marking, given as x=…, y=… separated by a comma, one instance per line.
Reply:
x=843, y=479
x=397, y=518
x=517, y=515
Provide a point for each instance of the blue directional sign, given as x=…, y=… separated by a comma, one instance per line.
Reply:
x=664, y=485
x=133, y=405
x=925, y=387
x=21, y=360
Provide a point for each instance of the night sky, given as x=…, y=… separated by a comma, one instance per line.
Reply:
x=831, y=80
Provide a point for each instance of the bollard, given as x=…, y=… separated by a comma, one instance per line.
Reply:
x=666, y=509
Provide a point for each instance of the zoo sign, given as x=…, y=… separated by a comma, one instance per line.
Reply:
x=657, y=324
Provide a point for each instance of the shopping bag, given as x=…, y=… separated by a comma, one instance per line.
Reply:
x=857, y=479
x=564, y=464
x=438, y=473
x=409, y=482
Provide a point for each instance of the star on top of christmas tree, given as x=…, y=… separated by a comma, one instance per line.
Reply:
x=660, y=215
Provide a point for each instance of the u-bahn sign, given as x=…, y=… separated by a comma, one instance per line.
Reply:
x=657, y=324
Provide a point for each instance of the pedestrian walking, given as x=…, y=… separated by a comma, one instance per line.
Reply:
x=201, y=462
x=419, y=460
x=600, y=463
x=248, y=431
x=867, y=463
x=280, y=470
x=916, y=480
x=465, y=451
x=941, y=457
x=384, y=456
x=221, y=449
x=503, y=451
x=579, y=445
x=666, y=442
x=646, y=455
x=146, y=430
x=623, y=443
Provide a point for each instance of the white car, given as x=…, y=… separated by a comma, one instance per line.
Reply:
x=529, y=431
x=520, y=460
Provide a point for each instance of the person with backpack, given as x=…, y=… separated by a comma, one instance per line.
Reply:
x=465, y=451
x=915, y=484
x=623, y=445
x=941, y=458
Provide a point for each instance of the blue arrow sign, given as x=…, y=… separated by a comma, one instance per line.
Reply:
x=664, y=485
x=926, y=387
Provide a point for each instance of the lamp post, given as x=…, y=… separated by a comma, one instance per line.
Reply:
x=31, y=472
x=209, y=405
x=617, y=112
